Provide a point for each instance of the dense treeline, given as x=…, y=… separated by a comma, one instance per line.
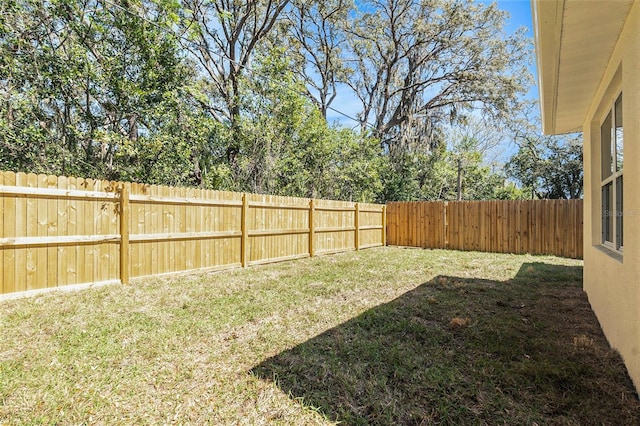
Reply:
x=235, y=95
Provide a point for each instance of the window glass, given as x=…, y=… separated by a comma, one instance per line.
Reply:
x=606, y=147
x=611, y=181
x=619, y=134
x=619, y=213
x=607, y=213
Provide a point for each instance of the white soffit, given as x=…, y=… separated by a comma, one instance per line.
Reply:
x=574, y=42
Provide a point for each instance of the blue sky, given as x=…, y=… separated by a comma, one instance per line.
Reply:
x=520, y=11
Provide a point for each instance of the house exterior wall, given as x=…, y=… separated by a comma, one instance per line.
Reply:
x=611, y=280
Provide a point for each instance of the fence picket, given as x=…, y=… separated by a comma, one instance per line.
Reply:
x=1, y=230
x=10, y=228
x=32, y=231
x=76, y=234
x=529, y=226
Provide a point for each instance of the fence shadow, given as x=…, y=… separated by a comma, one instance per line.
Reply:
x=453, y=350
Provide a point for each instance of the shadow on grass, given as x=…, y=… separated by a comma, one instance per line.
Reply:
x=521, y=351
x=549, y=273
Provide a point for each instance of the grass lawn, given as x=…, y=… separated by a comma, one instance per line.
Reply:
x=380, y=336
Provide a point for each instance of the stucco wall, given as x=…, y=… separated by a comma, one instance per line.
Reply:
x=612, y=282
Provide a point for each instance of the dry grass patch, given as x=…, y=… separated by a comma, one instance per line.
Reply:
x=361, y=338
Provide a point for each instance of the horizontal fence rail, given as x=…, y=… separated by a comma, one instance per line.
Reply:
x=64, y=232
x=527, y=226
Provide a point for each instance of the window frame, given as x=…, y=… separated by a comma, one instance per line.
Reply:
x=612, y=208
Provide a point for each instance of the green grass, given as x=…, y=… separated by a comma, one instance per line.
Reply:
x=359, y=338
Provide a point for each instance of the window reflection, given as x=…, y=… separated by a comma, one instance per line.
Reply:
x=619, y=134
x=606, y=147
x=619, y=214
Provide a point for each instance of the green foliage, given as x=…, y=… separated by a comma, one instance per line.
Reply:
x=289, y=149
x=435, y=177
x=549, y=167
x=545, y=166
x=111, y=92
x=187, y=150
x=85, y=85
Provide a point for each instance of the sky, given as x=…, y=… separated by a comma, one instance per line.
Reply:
x=520, y=11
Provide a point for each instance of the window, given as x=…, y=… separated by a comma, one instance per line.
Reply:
x=611, y=145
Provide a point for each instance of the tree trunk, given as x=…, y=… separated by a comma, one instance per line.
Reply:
x=459, y=179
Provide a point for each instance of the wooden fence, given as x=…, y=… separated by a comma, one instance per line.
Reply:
x=61, y=232
x=532, y=226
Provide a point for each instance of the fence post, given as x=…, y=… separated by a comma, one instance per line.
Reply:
x=357, y=225
x=244, y=230
x=384, y=225
x=445, y=237
x=124, y=233
x=312, y=248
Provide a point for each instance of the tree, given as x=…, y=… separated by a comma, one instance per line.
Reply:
x=440, y=175
x=469, y=143
x=186, y=149
x=462, y=174
x=546, y=166
x=226, y=34
x=316, y=29
x=549, y=167
x=417, y=63
x=287, y=147
x=211, y=94
x=82, y=81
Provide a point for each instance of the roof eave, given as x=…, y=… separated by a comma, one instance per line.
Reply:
x=547, y=27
